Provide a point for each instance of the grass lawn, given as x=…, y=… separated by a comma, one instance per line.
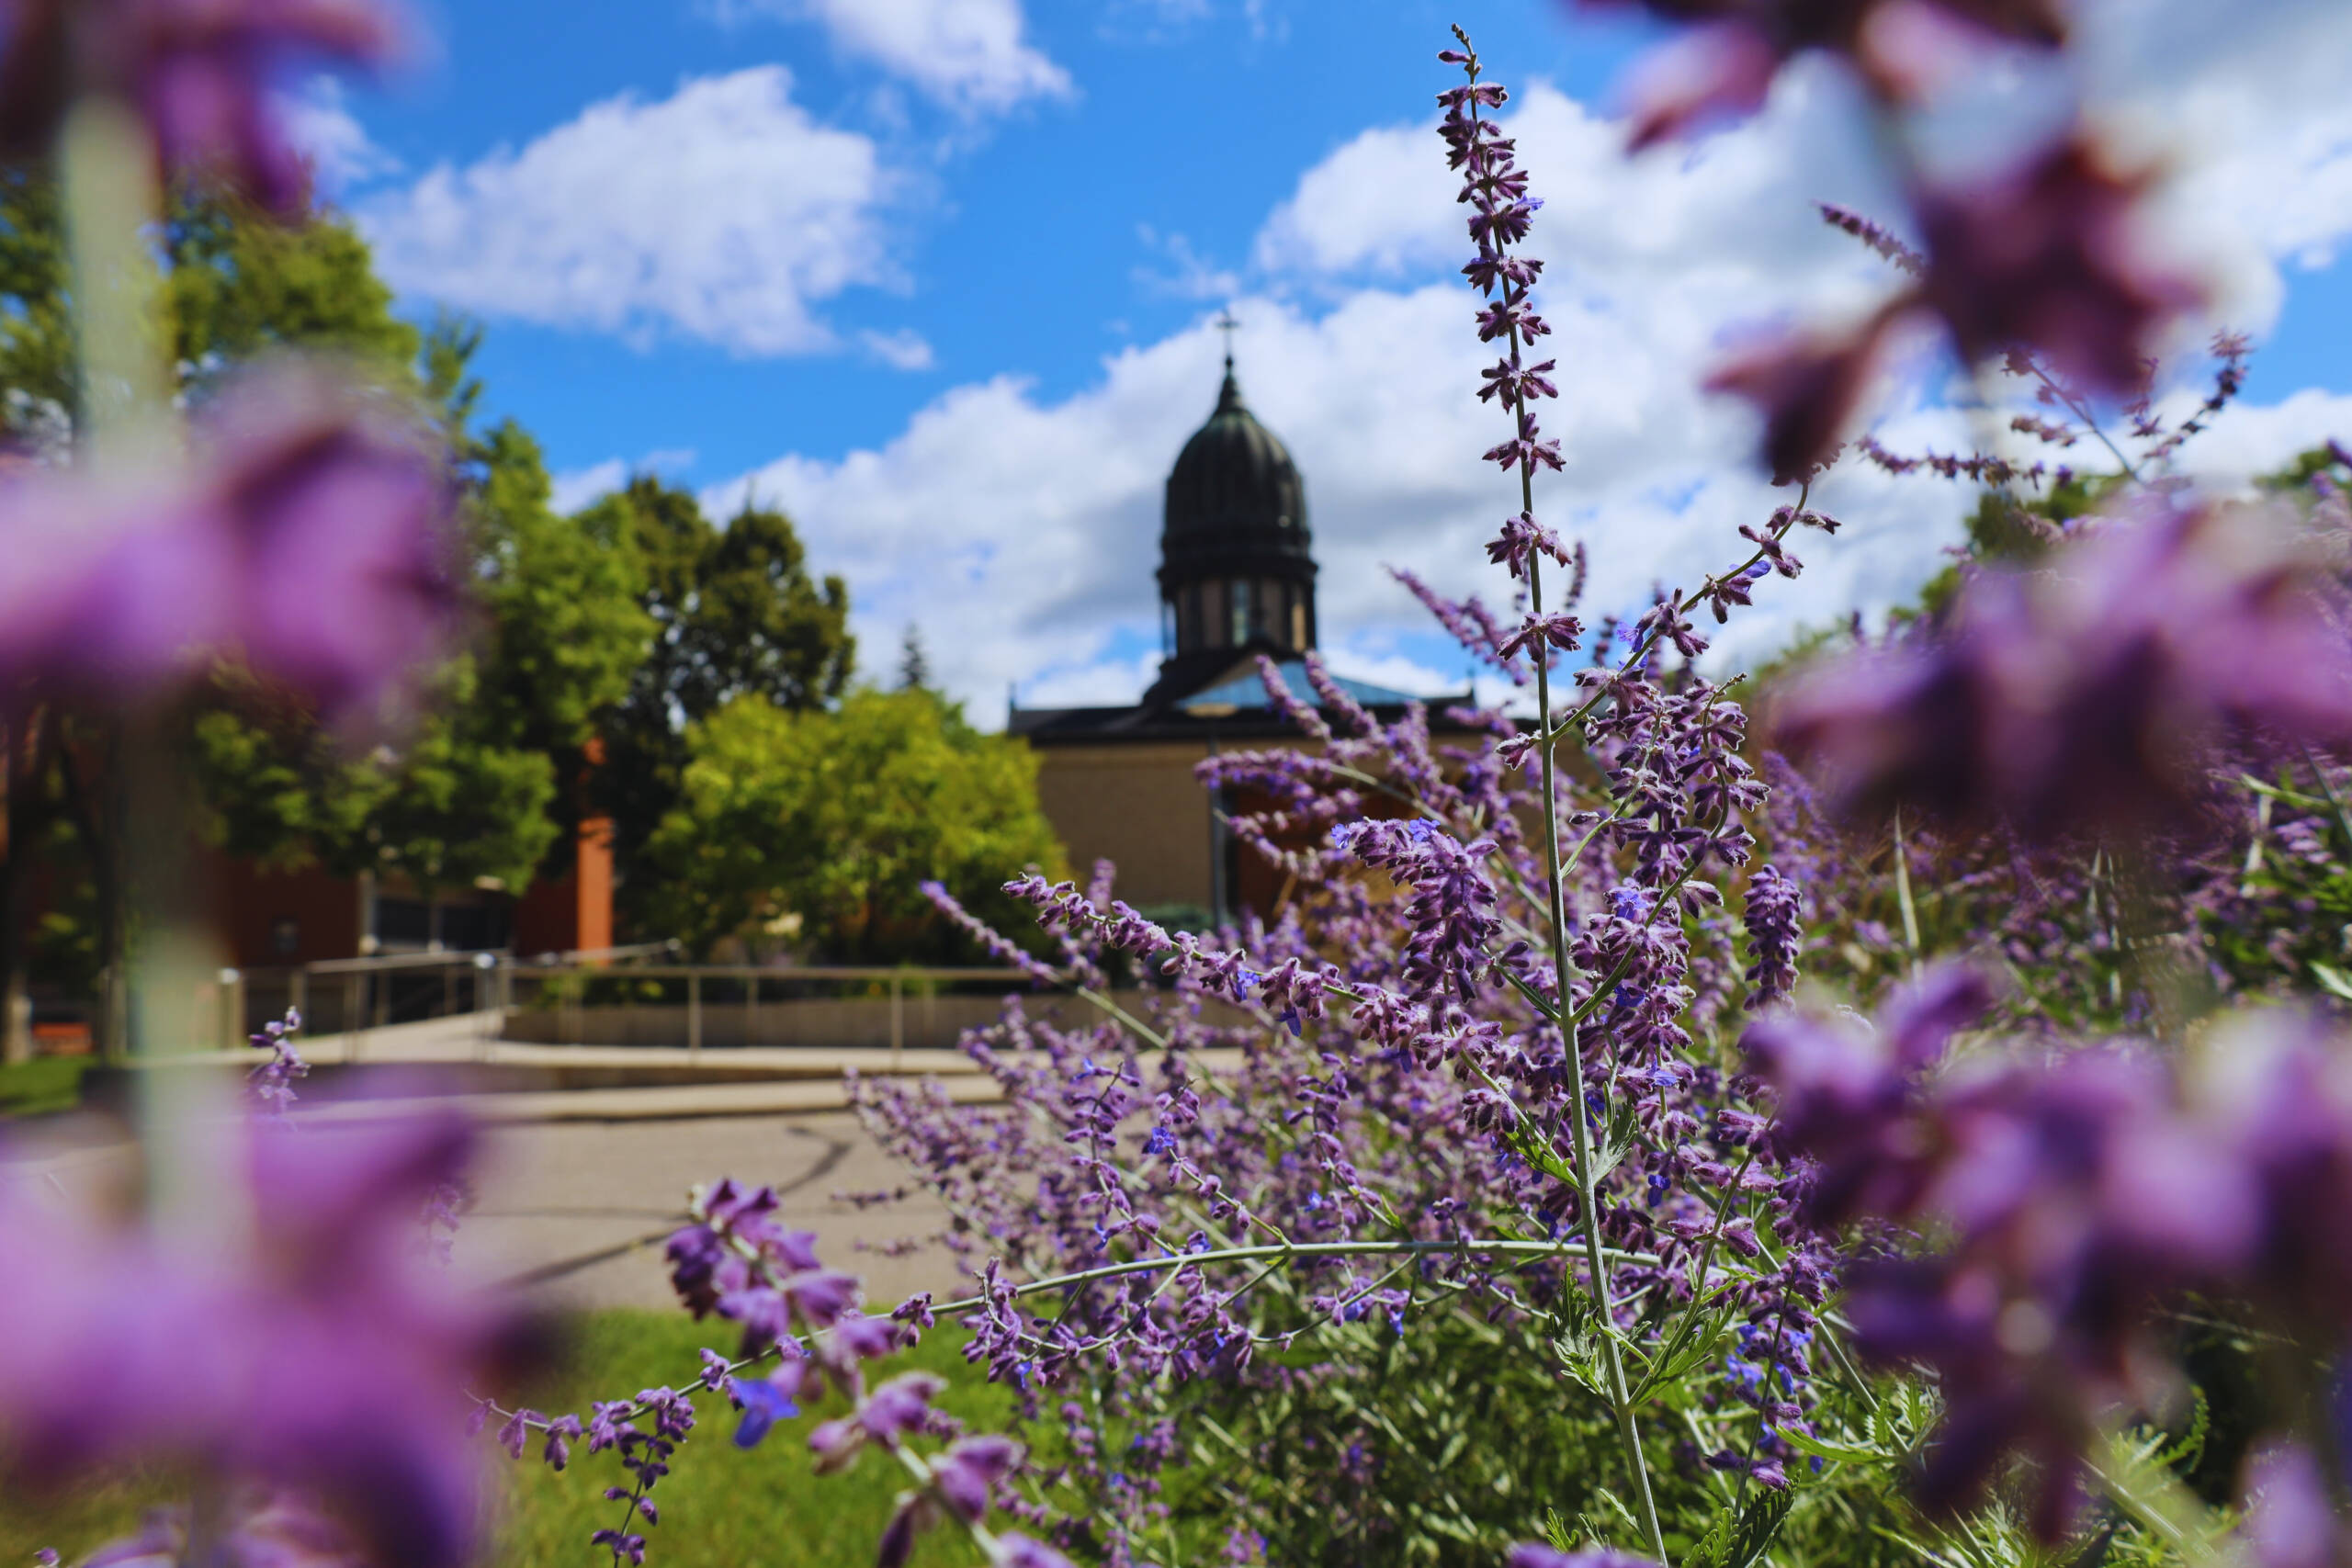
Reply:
x=45, y=1083
x=721, y=1507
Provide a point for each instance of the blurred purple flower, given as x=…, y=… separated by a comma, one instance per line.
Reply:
x=259, y=1531
x=1807, y=385
x=969, y=1470
x=2291, y=1516
x=312, y=538
x=1533, y=1554
x=322, y=1358
x=2045, y=258
x=2090, y=693
x=203, y=76
x=1723, y=66
x=1020, y=1551
x=2069, y=1198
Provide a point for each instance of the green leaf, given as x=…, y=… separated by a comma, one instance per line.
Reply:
x=1843, y=1453
x=1740, y=1534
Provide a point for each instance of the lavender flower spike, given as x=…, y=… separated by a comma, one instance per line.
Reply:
x=202, y=75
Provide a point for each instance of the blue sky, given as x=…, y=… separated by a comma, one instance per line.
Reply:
x=936, y=275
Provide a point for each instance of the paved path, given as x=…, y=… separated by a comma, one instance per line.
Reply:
x=579, y=1211
x=584, y=1184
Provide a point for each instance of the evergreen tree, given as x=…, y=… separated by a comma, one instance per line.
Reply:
x=914, y=665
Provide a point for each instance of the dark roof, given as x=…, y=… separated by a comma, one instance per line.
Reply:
x=1232, y=707
x=1235, y=504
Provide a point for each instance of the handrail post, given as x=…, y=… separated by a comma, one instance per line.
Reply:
x=693, y=1014
x=752, y=1009
x=298, y=992
x=898, y=1021
x=354, y=1027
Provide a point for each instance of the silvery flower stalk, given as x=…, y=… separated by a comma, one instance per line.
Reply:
x=1496, y=191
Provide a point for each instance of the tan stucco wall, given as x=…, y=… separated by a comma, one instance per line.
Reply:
x=1138, y=805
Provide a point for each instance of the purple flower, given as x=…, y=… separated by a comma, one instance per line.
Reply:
x=273, y=1081
x=765, y=1402
x=1775, y=926
x=1807, y=385
x=1020, y=1551
x=2292, y=1522
x=1560, y=630
x=323, y=1357
x=1721, y=67
x=256, y=1529
x=312, y=540
x=1535, y=1554
x=2046, y=259
x=969, y=1471
x=201, y=74
x=2093, y=690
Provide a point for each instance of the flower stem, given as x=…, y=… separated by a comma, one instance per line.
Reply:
x=106, y=176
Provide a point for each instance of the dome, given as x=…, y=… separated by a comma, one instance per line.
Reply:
x=1233, y=490
x=1237, y=571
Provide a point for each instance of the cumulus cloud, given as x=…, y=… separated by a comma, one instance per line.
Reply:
x=968, y=55
x=2246, y=101
x=578, y=488
x=723, y=212
x=905, y=349
x=1021, y=532
x=318, y=118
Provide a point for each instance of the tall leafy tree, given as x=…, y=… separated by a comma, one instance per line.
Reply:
x=820, y=827
x=736, y=614
x=486, y=784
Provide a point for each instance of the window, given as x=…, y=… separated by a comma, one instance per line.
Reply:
x=1243, y=604
x=402, y=922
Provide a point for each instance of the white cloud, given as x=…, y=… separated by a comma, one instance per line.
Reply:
x=1023, y=534
x=968, y=55
x=584, y=486
x=1189, y=275
x=319, y=121
x=905, y=349
x=2246, y=103
x=580, y=488
x=723, y=212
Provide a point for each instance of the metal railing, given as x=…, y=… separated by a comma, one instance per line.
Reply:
x=351, y=996
x=724, y=1006
x=620, y=996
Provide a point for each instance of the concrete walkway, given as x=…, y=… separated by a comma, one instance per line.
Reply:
x=576, y=1215
x=592, y=1150
x=458, y=1061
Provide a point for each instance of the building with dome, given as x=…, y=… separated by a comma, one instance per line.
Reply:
x=1236, y=579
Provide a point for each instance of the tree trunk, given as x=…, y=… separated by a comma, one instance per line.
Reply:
x=17, y=752
x=97, y=814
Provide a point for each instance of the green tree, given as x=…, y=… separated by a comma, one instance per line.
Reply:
x=485, y=784
x=735, y=613
x=838, y=816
